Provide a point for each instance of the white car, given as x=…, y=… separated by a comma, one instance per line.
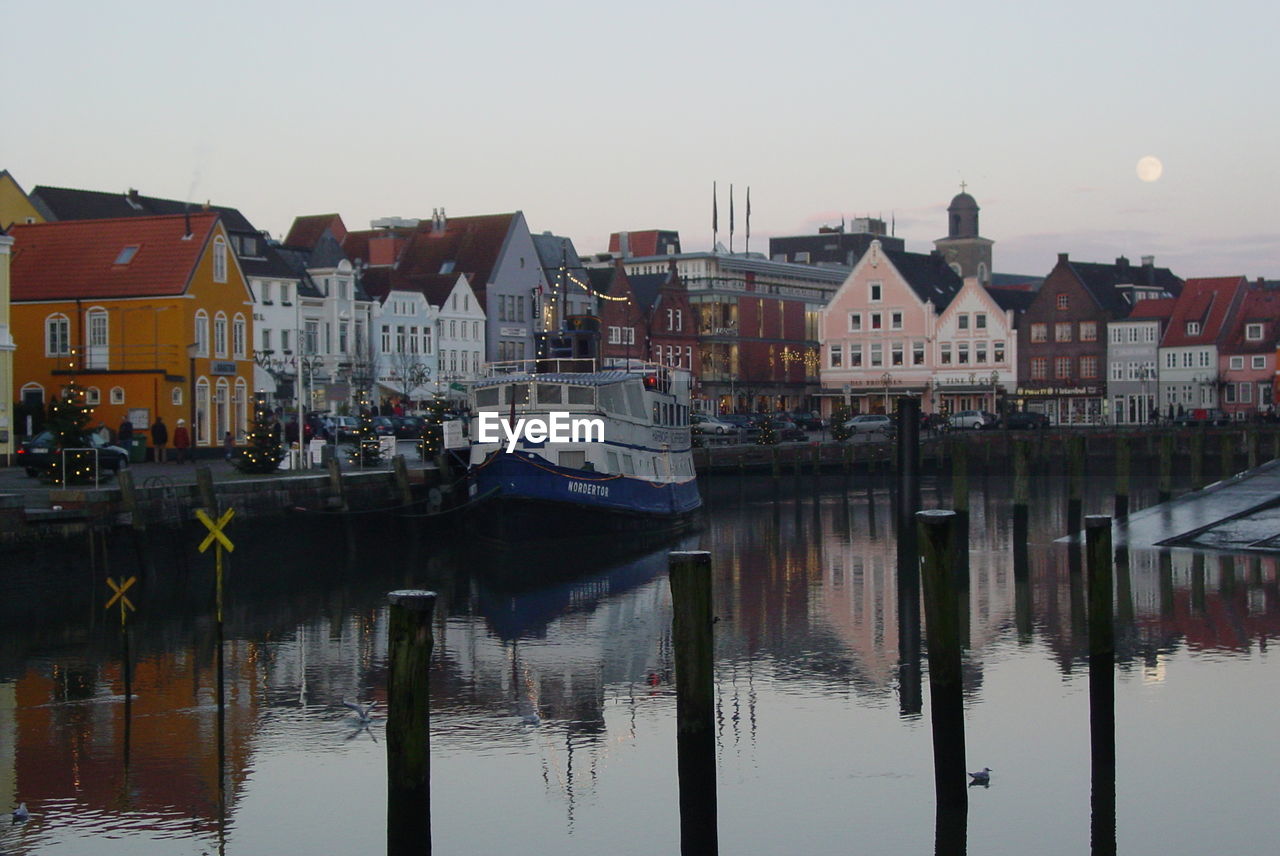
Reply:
x=975, y=419
x=703, y=424
x=870, y=422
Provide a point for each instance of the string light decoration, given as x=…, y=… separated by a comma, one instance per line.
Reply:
x=68, y=419
x=263, y=450
x=431, y=443
x=366, y=451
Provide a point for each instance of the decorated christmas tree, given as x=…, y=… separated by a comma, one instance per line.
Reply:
x=839, y=431
x=263, y=450
x=365, y=450
x=768, y=436
x=68, y=420
x=432, y=441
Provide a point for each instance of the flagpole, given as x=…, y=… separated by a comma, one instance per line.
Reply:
x=715, y=217
x=730, y=219
x=748, y=247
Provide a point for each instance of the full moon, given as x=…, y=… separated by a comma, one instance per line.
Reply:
x=1150, y=168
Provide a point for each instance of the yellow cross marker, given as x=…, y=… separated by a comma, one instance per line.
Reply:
x=215, y=529
x=120, y=596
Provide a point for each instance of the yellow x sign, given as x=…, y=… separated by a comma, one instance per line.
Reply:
x=215, y=529
x=120, y=594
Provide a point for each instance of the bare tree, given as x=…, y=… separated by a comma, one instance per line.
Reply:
x=410, y=370
x=363, y=371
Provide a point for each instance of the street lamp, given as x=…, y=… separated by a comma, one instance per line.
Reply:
x=886, y=378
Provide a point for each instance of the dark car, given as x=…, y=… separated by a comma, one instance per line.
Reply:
x=1025, y=420
x=383, y=426
x=38, y=453
x=407, y=427
x=808, y=421
x=785, y=429
x=746, y=424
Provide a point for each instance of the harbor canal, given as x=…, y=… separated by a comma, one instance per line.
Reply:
x=553, y=706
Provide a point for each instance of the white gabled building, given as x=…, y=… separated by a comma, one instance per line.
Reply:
x=461, y=329
x=404, y=344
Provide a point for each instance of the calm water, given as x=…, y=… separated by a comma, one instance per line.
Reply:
x=554, y=707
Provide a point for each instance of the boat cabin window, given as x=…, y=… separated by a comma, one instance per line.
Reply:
x=487, y=397
x=520, y=391
x=575, y=458
x=581, y=395
x=628, y=465
x=612, y=458
x=550, y=393
x=612, y=399
x=635, y=398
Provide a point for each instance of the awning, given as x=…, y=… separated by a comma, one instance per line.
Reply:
x=263, y=380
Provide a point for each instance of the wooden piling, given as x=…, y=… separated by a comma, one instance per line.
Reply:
x=910, y=697
x=204, y=485
x=337, y=490
x=1166, y=467
x=1227, y=454
x=776, y=469
x=1122, y=478
x=1251, y=448
x=1075, y=483
x=401, y=474
x=129, y=499
x=1102, y=691
x=1197, y=460
x=693, y=646
x=409, y=722
x=946, y=703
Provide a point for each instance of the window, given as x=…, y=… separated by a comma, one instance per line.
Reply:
x=680, y=319
x=1149, y=334
x=386, y=338
x=1258, y=362
x=1203, y=358
x=1117, y=335
x=238, y=337
x=311, y=337
x=426, y=341
x=876, y=321
x=453, y=329
x=962, y=322
x=997, y=352
x=1186, y=359
x=57, y=336
x=126, y=255
x=1193, y=328
x=944, y=353
x=855, y=322
x=1088, y=368
x=1117, y=371
x=1040, y=332
x=1253, y=332
x=175, y=396
x=895, y=320
x=97, y=339
x=917, y=353
x=980, y=352
x=1230, y=393
x=962, y=353
x=980, y=321
x=284, y=342
x=1039, y=368
x=220, y=335
x=266, y=340
x=877, y=354
x=1064, y=302
x=896, y=354
x=615, y=335
x=1171, y=360
x=201, y=428
x=239, y=405
x=1062, y=368
x=835, y=356
x=401, y=334
x=221, y=409
x=117, y=395
x=1089, y=331
x=855, y=356
x=876, y=290
x=219, y=260
x=92, y=396
x=202, y=333
x=1237, y=363
x=1062, y=331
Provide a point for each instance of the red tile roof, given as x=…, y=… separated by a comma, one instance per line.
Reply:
x=306, y=231
x=1161, y=307
x=75, y=259
x=1208, y=301
x=1260, y=306
x=643, y=243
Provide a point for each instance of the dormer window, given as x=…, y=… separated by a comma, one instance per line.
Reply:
x=1253, y=332
x=1064, y=302
x=446, y=267
x=127, y=254
x=1193, y=328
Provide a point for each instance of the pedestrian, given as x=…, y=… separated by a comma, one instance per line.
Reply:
x=125, y=435
x=228, y=445
x=159, y=438
x=182, y=442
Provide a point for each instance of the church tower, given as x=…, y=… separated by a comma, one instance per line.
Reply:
x=964, y=249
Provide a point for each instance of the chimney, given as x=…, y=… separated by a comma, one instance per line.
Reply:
x=624, y=244
x=444, y=222
x=186, y=219
x=1122, y=263
x=1062, y=258
x=1148, y=261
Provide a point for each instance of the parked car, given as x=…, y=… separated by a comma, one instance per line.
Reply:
x=785, y=429
x=807, y=421
x=746, y=424
x=1202, y=416
x=407, y=427
x=37, y=454
x=975, y=419
x=869, y=423
x=383, y=426
x=1026, y=419
x=703, y=424
x=344, y=427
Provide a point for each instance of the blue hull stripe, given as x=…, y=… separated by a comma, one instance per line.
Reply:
x=520, y=475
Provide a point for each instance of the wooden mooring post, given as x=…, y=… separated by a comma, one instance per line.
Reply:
x=910, y=697
x=1075, y=483
x=1122, y=478
x=1227, y=453
x=1021, y=539
x=942, y=622
x=1197, y=460
x=692, y=641
x=1102, y=690
x=409, y=722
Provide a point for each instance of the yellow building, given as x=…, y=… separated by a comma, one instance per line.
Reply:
x=151, y=315
x=15, y=207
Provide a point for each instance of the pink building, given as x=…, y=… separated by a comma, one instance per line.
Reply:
x=905, y=324
x=1247, y=356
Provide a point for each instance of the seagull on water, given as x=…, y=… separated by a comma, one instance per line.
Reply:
x=20, y=813
x=362, y=711
x=982, y=777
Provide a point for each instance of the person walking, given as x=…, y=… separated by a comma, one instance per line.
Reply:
x=228, y=445
x=159, y=438
x=124, y=437
x=182, y=442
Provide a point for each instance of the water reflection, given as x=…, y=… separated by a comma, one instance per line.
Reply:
x=552, y=705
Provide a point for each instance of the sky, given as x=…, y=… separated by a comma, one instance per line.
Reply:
x=597, y=117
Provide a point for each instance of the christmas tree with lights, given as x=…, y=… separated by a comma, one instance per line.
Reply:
x=768, y=436
x=839, y=430
x=68, y=420
x=366, y=450
x=263, y=450
x=431, y=443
